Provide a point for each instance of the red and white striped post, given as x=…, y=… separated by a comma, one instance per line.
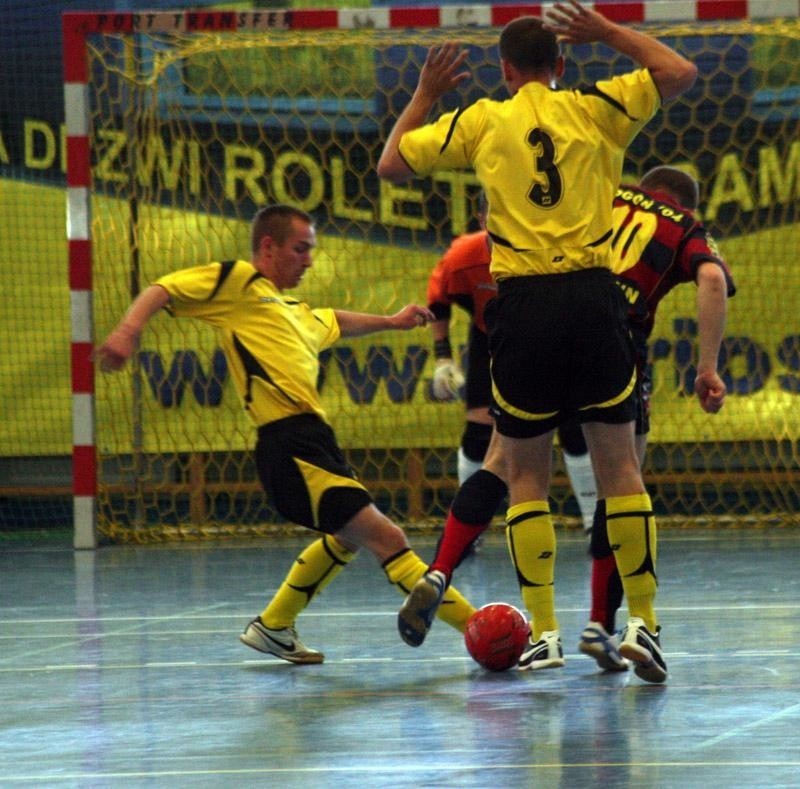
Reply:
x=78, y=193
x=84, y=456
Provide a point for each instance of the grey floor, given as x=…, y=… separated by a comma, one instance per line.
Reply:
x=122, y=667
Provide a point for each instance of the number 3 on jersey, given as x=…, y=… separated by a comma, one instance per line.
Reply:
x=548, y=194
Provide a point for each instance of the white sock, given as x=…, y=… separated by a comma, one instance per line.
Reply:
x=581, y=477
x=466, y=467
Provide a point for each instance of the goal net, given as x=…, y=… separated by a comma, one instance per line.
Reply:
x=194, y=121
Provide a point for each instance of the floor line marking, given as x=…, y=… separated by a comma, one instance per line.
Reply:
x=80, y=639
x=267, y=661
x=353, y=614
x=747, y=726
x=407, y=767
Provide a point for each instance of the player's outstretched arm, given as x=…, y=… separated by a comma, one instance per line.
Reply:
x=440, y=74
x=712, y=305
x=356, y=324
x=576, y=24
x=121, y=343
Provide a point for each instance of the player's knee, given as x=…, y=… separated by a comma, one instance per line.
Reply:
x=475, y=441
x=372, y=530
x=466, y=467
x=343, y=544
x=479, y=497
x=474, y=445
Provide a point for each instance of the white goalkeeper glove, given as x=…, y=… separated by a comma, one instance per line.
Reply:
x=447, y=380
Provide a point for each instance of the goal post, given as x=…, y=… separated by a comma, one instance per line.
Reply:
x=180, y=124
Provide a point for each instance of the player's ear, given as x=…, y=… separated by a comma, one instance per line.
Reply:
x=507, y=69
x=560, y=67
x=265, y=245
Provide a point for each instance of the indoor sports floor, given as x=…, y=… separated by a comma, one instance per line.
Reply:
x=122, y=667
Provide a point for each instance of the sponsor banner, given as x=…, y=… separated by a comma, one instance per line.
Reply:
x=375, y=388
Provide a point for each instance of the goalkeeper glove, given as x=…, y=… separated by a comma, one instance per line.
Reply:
x=447, y=380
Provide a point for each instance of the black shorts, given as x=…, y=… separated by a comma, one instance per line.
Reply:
x=305, y=474
x=570, y=435
x=560, y=348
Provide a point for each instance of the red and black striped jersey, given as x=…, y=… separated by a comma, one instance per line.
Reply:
x=657, y=245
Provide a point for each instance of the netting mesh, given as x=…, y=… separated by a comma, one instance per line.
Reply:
x=191, y=133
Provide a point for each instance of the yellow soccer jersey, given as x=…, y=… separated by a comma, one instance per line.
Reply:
x=271, y=342
x=549, y=162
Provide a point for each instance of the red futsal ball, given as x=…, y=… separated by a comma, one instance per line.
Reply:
x=495, y=636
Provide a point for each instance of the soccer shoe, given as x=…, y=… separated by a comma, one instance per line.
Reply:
x=604, y=648
x=643, y=649
x=282, y=643
x=544, y=653
x=416, y=615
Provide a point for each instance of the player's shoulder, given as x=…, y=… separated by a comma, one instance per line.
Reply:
x=633, y=95
x=236, y=274
x=241, y=268
x=638, y=80
x=213, y=270
x=230, y=268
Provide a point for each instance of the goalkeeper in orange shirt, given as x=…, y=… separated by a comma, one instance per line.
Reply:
x=462, y=278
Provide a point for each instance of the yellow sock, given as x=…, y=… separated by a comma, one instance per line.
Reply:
x=531, y=541
x=406, y=568
x=311, y=572
x=632, y=535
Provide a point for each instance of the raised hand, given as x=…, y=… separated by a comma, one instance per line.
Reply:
x=576, y=24
x=441, y=71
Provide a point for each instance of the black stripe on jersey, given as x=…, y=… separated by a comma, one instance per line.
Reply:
x=253, y=278
x=595, y=91
x=225, y=269
x=660, y=256
x=623, y=228
x=503, y=242
x=452, y=129
x=602, y=239
x=254, y=370
x=632, y=233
